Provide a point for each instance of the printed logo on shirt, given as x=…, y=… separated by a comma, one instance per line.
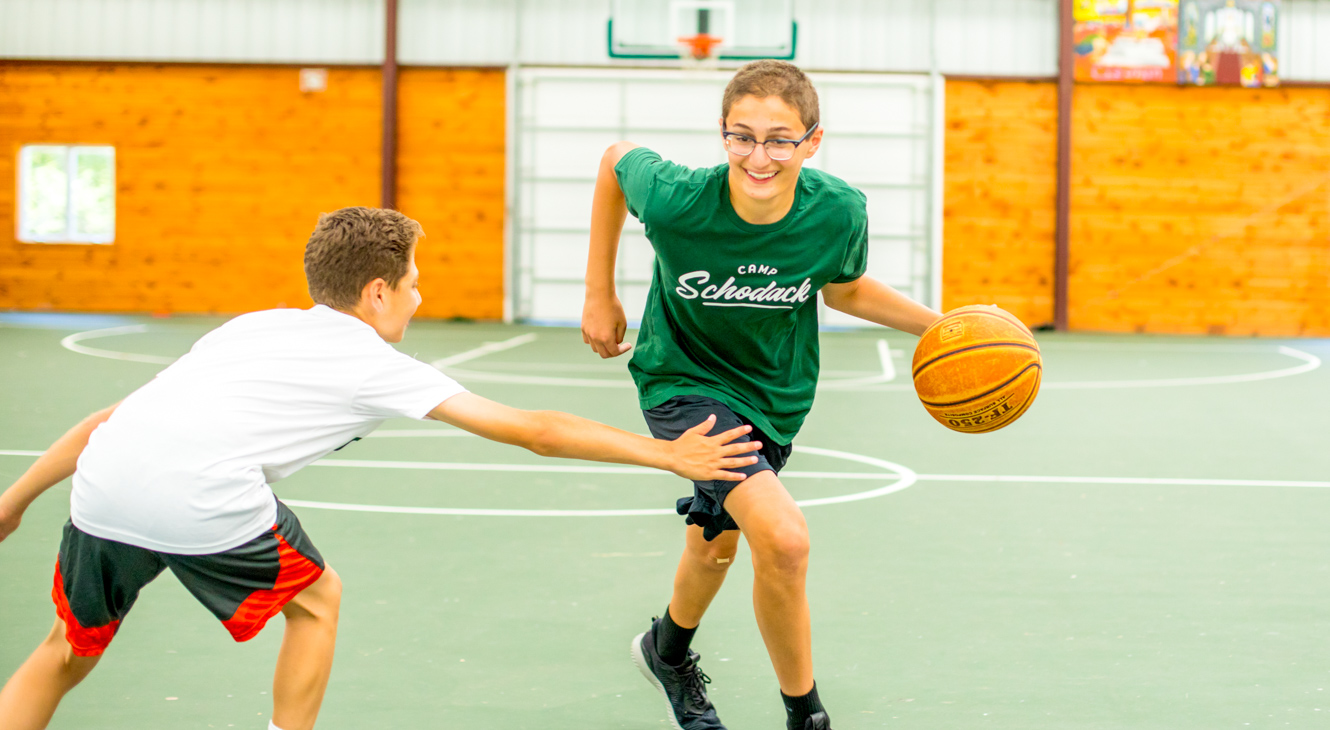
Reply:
x=695, y=285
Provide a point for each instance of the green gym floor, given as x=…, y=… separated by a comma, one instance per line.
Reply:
x=1146, y=548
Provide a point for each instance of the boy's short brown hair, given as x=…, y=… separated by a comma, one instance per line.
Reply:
x=351, y=247
x=769, y=77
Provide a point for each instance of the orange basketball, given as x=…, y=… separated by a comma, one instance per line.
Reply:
x=977, y=369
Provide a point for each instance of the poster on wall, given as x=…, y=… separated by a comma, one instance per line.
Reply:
x=1126, y=40
x=1228, y=42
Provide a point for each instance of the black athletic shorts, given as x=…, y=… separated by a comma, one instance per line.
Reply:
x=706, y=508
x=98, y=580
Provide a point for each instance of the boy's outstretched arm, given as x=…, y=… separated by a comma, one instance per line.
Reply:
x=51, y=468
x=694, y=455
x=867, y=298
x=603, y=320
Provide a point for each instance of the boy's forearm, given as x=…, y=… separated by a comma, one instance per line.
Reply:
x=573, y=437
x=876, y=302
x=56, y=464
x=609, y=210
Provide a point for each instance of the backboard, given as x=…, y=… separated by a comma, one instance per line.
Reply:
x=744, y=29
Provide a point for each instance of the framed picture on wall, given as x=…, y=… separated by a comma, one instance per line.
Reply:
x=1228, y=42
x=1126, y=40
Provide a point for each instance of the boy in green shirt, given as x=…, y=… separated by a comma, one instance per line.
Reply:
x=730, y=329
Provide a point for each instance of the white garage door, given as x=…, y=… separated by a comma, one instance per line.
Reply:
x=881, y=136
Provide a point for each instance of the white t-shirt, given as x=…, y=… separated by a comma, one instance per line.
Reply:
x=183, y=465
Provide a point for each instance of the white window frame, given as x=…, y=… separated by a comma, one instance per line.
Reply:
x=70, y=234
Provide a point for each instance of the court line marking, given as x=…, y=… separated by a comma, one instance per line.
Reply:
x=483, y=350
x=1310, y=362
x=1163, y=481
x=882, y=383
x=903, y=476
x=888, y=372
x=887, y=375
x=72, y=343
x=879, y=383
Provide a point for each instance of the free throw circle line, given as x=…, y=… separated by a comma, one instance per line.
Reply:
x=904, y=478
x=877, y=383
x=71, y=343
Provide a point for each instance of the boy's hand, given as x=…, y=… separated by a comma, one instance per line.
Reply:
x=700, y=457
x=604, y=325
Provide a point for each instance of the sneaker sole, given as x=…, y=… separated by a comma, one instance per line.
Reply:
x=641, y=661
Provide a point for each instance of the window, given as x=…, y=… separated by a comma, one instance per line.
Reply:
x=66, y=194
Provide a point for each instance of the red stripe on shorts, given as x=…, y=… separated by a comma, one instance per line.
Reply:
x=85, y=641
x=296, y=573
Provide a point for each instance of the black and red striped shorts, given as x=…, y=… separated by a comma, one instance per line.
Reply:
x=98, y=580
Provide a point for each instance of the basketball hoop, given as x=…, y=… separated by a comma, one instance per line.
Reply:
x=700, y=47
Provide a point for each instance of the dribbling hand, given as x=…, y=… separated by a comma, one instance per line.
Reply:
x=604, y=325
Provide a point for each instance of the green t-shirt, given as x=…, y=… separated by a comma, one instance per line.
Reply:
x=732, y=311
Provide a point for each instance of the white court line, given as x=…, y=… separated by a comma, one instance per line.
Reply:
x=560, y=469
x=789, y=473
x=888, y=372
x=904, y=478
x=72, y=343
x=1310, y=363
x=1163, y=481
x=882, y=383
x=483, y=350
x=877, y=383
x=887, y=375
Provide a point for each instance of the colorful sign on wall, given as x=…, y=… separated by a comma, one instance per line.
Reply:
x=1126, y=40
x=1229, y=42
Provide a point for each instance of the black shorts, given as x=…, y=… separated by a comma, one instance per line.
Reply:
x=98, y=580
x=706, y=507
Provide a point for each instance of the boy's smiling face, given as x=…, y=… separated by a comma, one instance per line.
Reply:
x=757, y=177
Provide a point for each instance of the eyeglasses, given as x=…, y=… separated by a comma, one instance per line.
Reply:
x=777, y=149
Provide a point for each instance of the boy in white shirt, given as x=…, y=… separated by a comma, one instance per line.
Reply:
x=177, y=475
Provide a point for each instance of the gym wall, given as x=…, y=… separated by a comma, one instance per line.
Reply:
x=999, y=195
x=223, y=170
x=1200, y=210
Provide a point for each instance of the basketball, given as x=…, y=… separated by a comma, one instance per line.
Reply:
x=977, y=369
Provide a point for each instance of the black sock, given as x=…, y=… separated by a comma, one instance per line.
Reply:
x=799, y=709
x=672, y=640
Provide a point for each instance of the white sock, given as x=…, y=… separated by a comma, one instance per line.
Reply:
x=272, y=726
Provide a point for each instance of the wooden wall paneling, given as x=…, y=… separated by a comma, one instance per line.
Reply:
x=1000, y=188
x=451, y=164
x=221, y=173
x=1201, y=210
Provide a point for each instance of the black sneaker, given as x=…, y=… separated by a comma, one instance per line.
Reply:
x=684, y=686
x=818, y=721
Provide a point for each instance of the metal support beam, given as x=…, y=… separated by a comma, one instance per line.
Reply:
x=1062, y=236
x=388, y=196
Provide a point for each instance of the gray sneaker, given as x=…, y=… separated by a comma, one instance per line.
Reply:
x=684, y=687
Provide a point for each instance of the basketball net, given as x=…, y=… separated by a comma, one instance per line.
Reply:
x=700, y=51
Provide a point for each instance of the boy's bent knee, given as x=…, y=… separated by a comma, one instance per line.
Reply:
x=715, y=557
x=787, y=553
x=717, y=554
x=321, y=600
